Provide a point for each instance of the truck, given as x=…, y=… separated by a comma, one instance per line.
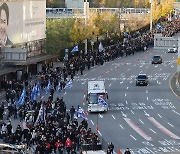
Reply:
x=95, y=90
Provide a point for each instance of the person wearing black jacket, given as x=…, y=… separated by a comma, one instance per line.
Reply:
x=127, y=151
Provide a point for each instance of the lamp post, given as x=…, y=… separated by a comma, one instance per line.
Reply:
x=151, y=14
x=86, y=17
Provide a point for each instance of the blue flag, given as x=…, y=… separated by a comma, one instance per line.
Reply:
x=75, y=49
x=59, y=87
x=80, y=113
x=102, y=102
x=38, y=88
x=22, y=97
x=33, y=94
x=48, y=87
x=159, y=26
x=41, y=116
x=68, y=85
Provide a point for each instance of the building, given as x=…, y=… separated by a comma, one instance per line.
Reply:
x=22, y=38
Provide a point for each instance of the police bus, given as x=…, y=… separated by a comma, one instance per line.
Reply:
x=96, y=89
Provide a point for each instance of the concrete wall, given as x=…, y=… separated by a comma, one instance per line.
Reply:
x=164, y=43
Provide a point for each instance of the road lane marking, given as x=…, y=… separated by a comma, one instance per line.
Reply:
x=107, y=72
x=127, y=88
x=170, y=124
x=146, y=91
x=113, y=117
x=100, y=115
x=121, y=126
x=133, y=137
x=141, y=121
x=121, y=82
x=83, y=82
x=163, y=129
x=99, y=133
x=125, y=94
x=152, y=130
x=110, y=85
x=132, y=112
x=130, y=82
x=160, y=69
x=147, y=99
x=93, y=70
x=137, y=129
x=150, y=150
x=146, y=113
x=140, y=72
x=159, y=115
x=92, y=122
x=65, y=93
x=175, y=112
x=85, y=74
x=124, y=115
x=126, y=103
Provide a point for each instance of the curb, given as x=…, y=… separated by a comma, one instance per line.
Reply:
x=173, y=87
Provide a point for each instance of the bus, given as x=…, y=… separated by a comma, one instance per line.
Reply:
x=96, y=89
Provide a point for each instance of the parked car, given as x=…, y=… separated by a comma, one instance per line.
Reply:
x=172, y=50
x=142, y=79
x=157, y=59
x=9, y=149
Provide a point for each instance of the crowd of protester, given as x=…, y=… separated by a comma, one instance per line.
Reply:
x=61, y=131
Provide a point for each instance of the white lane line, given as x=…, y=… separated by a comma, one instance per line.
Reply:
x=175, y=112
x=146, y=91
x=132, y=112
x=147, y=99
x=92, y=122
x=83, y=82
x=141, y=121
x=85, y=74
x=125, y=94
x=65, y=93
x=130, y=82
x=137, y=129
x=128, y=69
x=42, y=97
x=133, y=137
x=121, y=126
x=121, y=82
x=99, y=133
x=107, y=72
x=126, y=103
x=163, y=129
x=170, y=124
x=124, y=115
x=110, y=85
x=150, y=150
x=93, y=69
x=140, y=72
x=127, y=88
x=160, y=69
x=100, y=115
x=159, y=115
x=113, y=117
x=152, y=130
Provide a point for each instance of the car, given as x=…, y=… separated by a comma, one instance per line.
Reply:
x=9, y=149
x=142, y=80
x=172, y=50
x=157, y=59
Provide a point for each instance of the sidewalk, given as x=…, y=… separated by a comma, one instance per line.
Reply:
x=174, y=84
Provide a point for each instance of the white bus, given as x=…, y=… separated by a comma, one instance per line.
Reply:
x=96, y=89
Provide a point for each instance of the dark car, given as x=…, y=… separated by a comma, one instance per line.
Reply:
x=157, y=59
x=142, y=79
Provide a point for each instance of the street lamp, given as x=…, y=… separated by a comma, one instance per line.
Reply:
x=151, y=14
x=86, y=17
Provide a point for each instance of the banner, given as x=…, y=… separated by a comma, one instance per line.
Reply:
x=24, y=21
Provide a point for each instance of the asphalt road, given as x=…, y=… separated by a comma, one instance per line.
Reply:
x=146, y=118
x=143, y=118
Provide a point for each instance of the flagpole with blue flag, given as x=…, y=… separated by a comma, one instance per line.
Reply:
x=102, y=102
x=75, y=49
x=38, y=88
x=81, y=113
x=33, y=94
x=59, y=87
x=48, y=87
x=22, y=97
x=68, y=85
x=41, y=116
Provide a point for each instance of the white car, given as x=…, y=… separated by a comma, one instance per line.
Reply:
x=172, y=50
